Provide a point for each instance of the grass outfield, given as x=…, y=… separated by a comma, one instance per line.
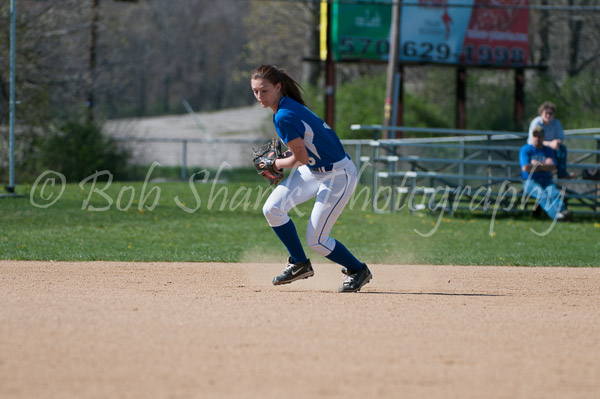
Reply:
x=224, y=223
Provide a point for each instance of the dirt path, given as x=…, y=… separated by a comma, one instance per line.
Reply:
x=251, y=122
x=213, y=330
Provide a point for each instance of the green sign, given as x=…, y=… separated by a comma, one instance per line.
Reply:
x=361, y=31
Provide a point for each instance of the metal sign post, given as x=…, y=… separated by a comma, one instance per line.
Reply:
x=391, y=92
x=11, y=184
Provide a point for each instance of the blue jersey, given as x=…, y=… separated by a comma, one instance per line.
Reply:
x=529, y=153
x=294, y=120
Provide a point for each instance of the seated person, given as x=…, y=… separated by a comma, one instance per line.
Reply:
x=554, y=137
x=537, y=163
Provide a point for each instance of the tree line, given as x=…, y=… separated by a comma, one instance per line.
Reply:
x=150, y=55
x=145, y=57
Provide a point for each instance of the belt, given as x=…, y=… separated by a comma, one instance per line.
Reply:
x=321, y=169
x=327, y=168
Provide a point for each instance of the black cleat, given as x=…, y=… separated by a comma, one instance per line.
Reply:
x=355, y=280
x=294, y=271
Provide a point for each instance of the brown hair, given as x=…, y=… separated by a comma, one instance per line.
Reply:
x=289, y=87
x=548, y=105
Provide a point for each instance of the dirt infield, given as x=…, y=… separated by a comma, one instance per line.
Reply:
x=214, y=330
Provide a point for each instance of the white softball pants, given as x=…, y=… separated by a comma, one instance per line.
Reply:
x=332, y=191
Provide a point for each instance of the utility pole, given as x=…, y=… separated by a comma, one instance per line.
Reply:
x=329, y=75
x=11, y=183
x=92, y=63
x=390, y=92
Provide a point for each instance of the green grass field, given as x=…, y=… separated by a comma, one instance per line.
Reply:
x=224, y=222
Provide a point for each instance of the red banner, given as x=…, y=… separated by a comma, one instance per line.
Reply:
x=498, y=34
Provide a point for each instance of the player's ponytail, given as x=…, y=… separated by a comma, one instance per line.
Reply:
x=289, y=87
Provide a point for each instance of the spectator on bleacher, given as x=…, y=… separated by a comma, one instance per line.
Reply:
x=537, y=163
x=554, y=137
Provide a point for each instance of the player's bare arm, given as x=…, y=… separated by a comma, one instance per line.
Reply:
x=546, y=166
x=298, y=156
x=554, y=144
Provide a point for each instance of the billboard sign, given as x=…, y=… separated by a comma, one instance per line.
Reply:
x=361, y=31
x=468, y=32
x=497, y=36
x=434, y=33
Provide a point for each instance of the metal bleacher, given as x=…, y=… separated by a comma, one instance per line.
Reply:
x=470, y=170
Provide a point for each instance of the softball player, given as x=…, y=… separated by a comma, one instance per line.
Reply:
x=324, y=171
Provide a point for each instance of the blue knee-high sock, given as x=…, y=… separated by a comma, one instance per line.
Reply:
x=289, y=237
x=341, y=255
